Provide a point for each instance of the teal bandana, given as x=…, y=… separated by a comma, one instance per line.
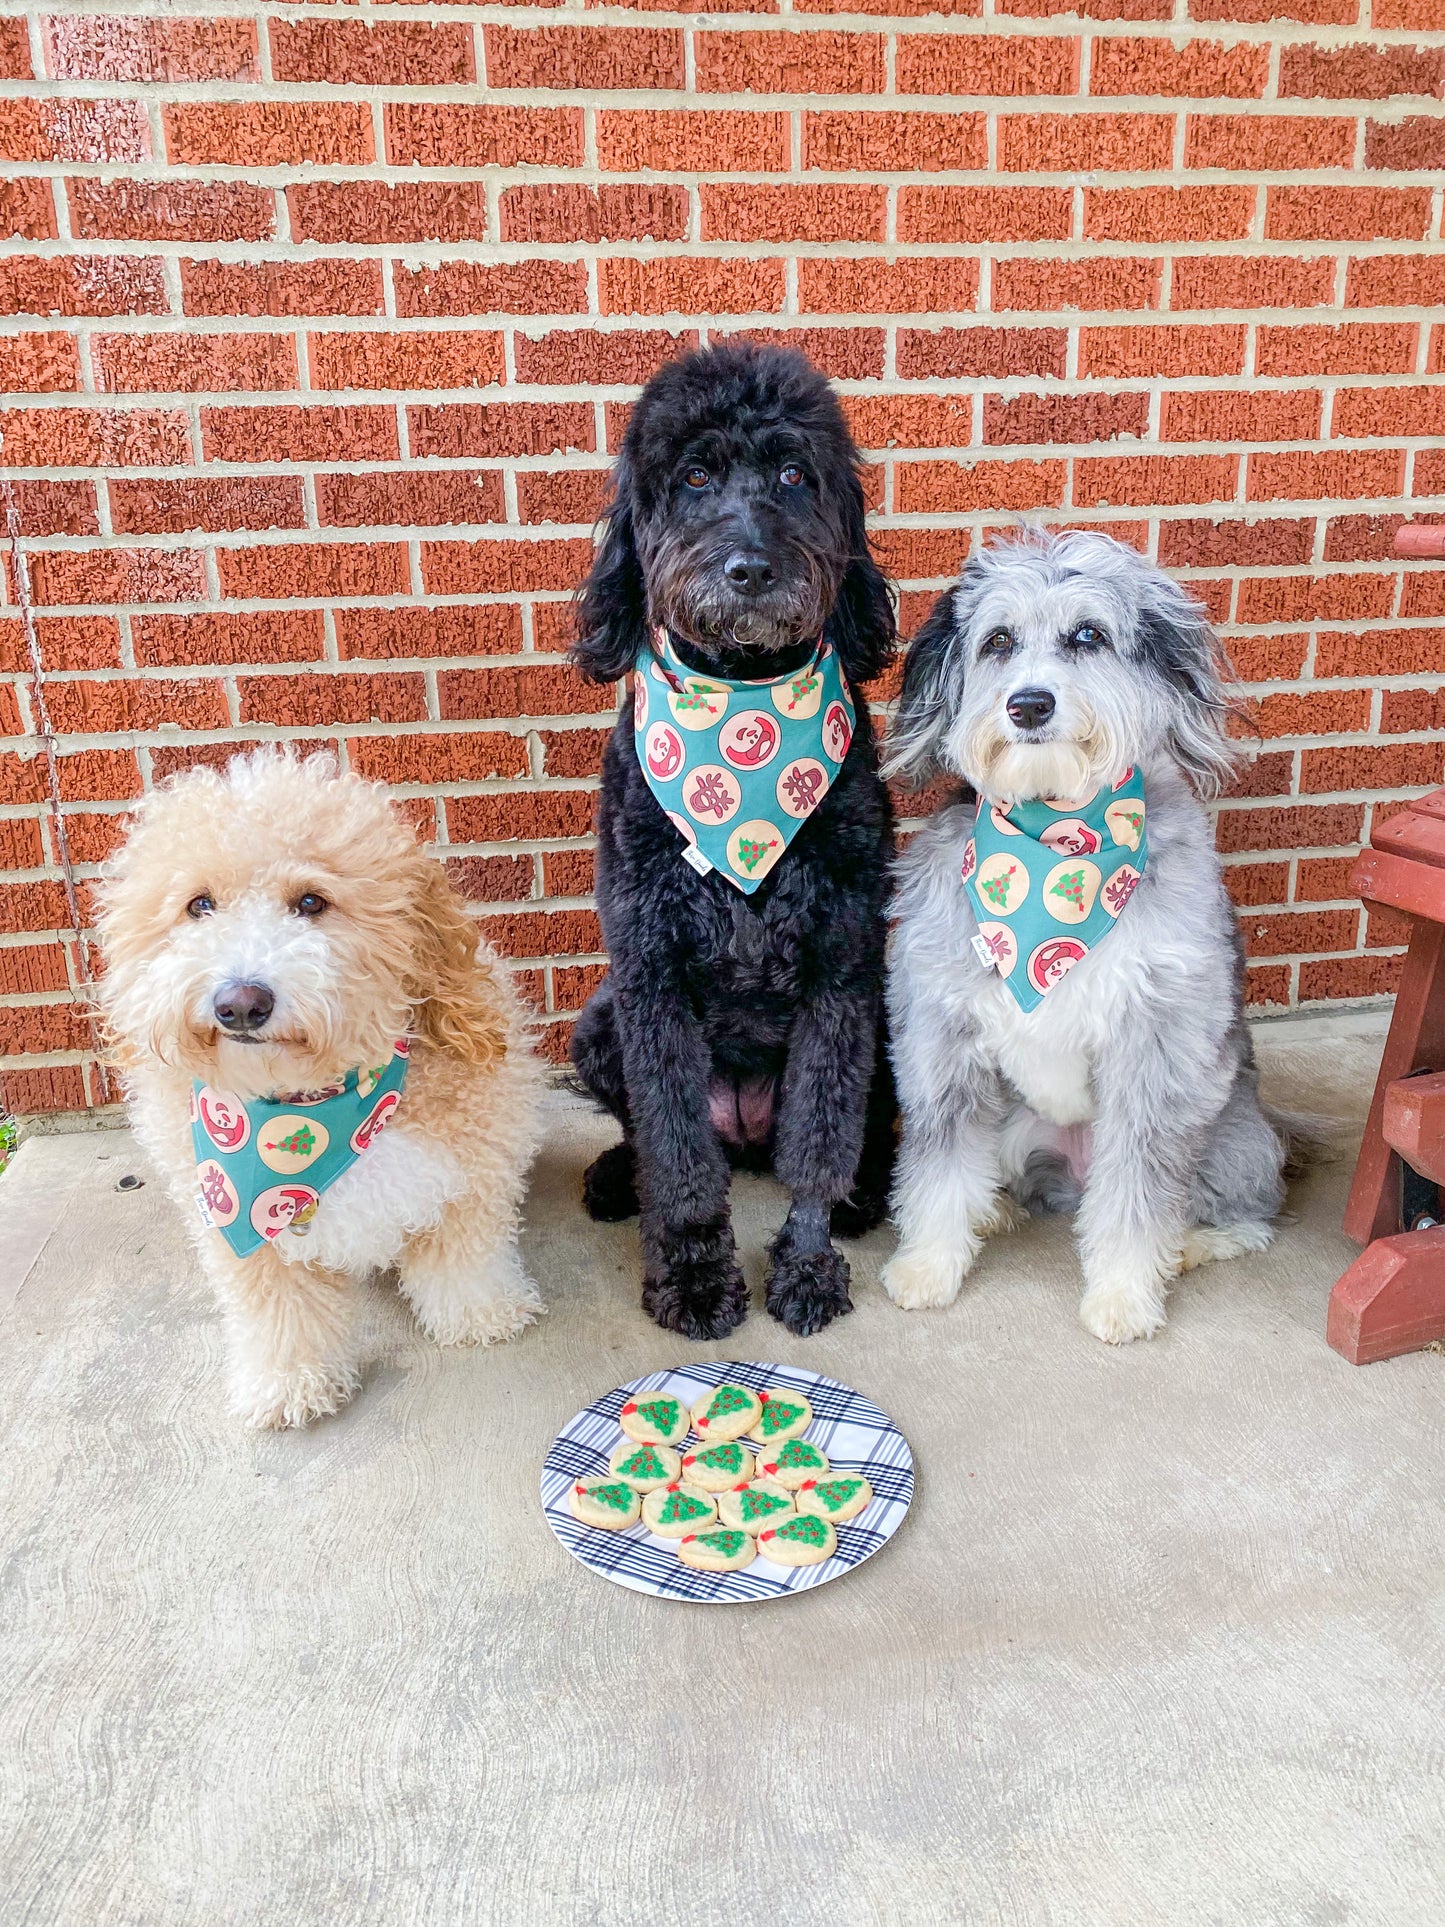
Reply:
x=263, y=1162
x=1049, y=879
x=739, y=766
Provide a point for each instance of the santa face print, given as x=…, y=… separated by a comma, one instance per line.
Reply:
x=366, y=1134
x=1053, y=960
x=283, y=1206
x=837, y=731
x=750, y=740
x=223, y=1118
x=1071, y=837
x=662, y=748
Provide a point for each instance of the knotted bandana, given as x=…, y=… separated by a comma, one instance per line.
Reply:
x=1049, y=879
x=263, y=1162
x=739, y=766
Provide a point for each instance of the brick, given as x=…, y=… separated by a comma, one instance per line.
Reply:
x=498, y=819
x=932, y=353
x=475, y=757
x=43, y=1027
x=1360, y=72
x=481, y=629
x=323, y=701
x=746, y=212
x=501, y=568
x=471, y=695
x=910, y=421
x=1357, y=348
x=423, y=498
x=195, y=364
x=1281, y=141
x=373, y=213
x=1361, y=538
x=1160, y=350
x=674, y=141
x=172, y=505
x=1045, y=287
x=1145, y=479
x=1429, y=472
x=567, y=211
x=1347, y=213
x=587, y=59
x=1289, y=932
x=1302, y=475
x=21, y=847
x=455, y=359
x=1349, y=977
x=544, y=933
x=980, y=65
x=917, y=555
x=1201, y=69
x=94, y=437
x=29, y=970
x=1412, y=145
x=315, y=433
x=790, y=63
x=123, y=210
x=468, y=134
x=52, y=508
x=1156, y=214
x=1323, y=879
x=1314, y=712
x=568, y=495
x=38, y=364
x=1407, y=711
x=572, y=752
x=1268, y=659
x=910, y=285
x=1426, y=14
x=81, y=284
x=1253, y=415
x=27, y=210
x=623, y=358
x=14, y=48
x=1264, y=281
x=1298, y=826
x=884, y=142
x=342, y=53
x=1267, y=985
x=73, y=130
x=572, y=986
x=109, y=46
x=93, y=708
x=268, y=133
x=1381, y=652
x=1064, y=418
x=478, y=288
x=1388, y=411
x=61, y=577
x=1325, y=598
x=497, y=879
x=281, y=288
x=1396, y=281
x=934, y=214
x=1323, y=12
x=32, y=906
x=219, y=638
x=314, y=569
x=1090, y=9
x=679, y=286
x=1076, y=143
x=60, y=1087
x=960, y=487
x=1390, y=766
x=492, y=429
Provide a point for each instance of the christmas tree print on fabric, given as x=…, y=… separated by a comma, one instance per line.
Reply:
x=998, y=887
x=1070, y=887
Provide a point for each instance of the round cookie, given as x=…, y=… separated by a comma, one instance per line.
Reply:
x=726, y=1412
x=790, y=1464
x=675, y=1510
x=654, y=1418
x=645, y=1466
x=612, y=1504
x=717, y=1467
x=753, y=1506
x=800, y=1541
x=722, y=1549
x=784, y=1415
x=841, y=1497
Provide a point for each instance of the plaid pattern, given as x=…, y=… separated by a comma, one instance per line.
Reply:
x=853, y=1432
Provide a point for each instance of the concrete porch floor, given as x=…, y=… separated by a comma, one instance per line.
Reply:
x=1162, y=1641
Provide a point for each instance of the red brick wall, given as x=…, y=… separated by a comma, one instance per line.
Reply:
x=322, y=329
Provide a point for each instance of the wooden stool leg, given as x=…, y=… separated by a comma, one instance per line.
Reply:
x=1392, y=1298
x=1416, y=1041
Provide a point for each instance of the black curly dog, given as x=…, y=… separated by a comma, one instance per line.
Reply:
x=733, y=1029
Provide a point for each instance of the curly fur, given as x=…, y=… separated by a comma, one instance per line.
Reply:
x=393, y=953
x=733, y=1029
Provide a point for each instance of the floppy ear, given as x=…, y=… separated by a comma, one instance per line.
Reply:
x=862, y=624
x=1178, y=643
x=457, y=1003
x=611, y=605
x=931, y=681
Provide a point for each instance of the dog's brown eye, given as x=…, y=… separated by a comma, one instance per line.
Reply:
x=309, y=905
x=791, y=476
x=200, y=906
x=697, y=478
x=998, y=644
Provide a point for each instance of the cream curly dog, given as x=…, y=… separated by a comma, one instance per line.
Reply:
x=273, y=931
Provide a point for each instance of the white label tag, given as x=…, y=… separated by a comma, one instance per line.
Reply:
x=693, y=855
x=983, y=953
x=206, y=1219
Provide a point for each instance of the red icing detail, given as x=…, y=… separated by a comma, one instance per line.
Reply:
x=688, y=1537
x=771, y=1468
x=629, y=1409
x=702, y=1425
x=673, y=1487
x=581, y=1488
x=762, y=1398
x=765, y=1535
x=808, y=1484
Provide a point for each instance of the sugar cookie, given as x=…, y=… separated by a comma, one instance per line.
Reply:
x=790, y=1464
x=753, y=1506
x=800, y=1541
x=645, y=1466
x=676, y=1510
x=784, y=1415
x=654, y=1418
x=726, y=1412
x=720, y=1550
x=611, y=1504
x=716, y=1467
x=841, y=1497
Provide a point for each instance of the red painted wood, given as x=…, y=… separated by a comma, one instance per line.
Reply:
x=1416, y=1042
x=1415, y=540
x=1401, y=883
x=1392, y=1298
x=1414, y=1123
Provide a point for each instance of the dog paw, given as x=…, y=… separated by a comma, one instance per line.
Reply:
x=924, y=1277
x=1204, y=1243
x=857, y=1214
x=488, y=1321
x=706, y=1298
x=807, y=1290
x=286, y=1400
x=609, y=1188
x=1120, y=1313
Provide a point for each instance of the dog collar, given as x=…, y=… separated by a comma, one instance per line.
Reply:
x=262, y=1163
x=739, y=767
x=1049, y=880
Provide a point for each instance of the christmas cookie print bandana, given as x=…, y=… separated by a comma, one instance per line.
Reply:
x=1049, y=879
x=739, y=766
x=262, y=1163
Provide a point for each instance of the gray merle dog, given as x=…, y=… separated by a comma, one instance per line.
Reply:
x=1059, y=673
x=738, y=1026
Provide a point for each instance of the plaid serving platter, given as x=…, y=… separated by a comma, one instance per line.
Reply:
x=851, y=1429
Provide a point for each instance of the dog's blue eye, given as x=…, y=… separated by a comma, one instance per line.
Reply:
x=1087, y=636
x=309, y=905
x=791, y=476
x=200, y=906
x=697, y=478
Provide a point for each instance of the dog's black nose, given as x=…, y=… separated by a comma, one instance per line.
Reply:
x=243, y=1007
x=749, y=571
x=1030, y=708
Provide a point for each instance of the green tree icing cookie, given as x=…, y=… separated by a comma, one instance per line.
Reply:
x=727, y=1399
x=721, y=1458
x=725, y=1543
x=677, y=1507
x=621, y=1498
x=835, y=1493
x=644, y=1463
x=798, y=1456
x=807, y=1529
x=664, y=1413
x=758, y=1505
x=778, y=1416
